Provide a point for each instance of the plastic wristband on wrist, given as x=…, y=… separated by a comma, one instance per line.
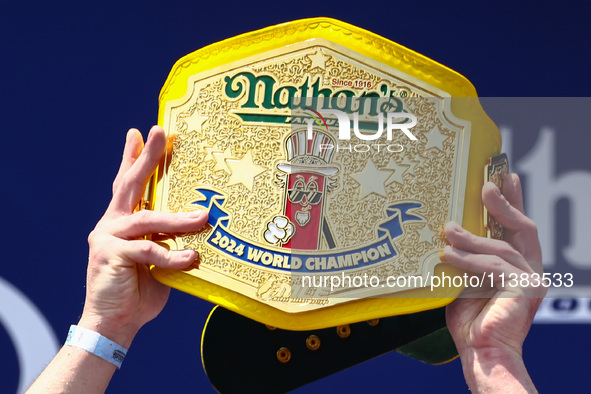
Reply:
x=96, y=344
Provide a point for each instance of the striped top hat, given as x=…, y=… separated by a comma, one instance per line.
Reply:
x=309, y=155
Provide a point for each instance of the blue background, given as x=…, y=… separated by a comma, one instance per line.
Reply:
x=76, y=75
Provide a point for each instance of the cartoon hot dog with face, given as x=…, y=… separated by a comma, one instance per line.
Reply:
x=306, y=176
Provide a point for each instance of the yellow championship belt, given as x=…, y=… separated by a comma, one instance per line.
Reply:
x=329, y=159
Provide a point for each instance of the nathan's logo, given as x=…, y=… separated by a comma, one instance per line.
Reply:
x=263, y=99
x=369, y=114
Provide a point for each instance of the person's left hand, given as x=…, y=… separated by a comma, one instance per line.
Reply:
x=489, y=331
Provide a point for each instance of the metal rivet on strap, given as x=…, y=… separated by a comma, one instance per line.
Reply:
x=283, y=355
x=373, y=322
x=313, y=342
x=344, y=331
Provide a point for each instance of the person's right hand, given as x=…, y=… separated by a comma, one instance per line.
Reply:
x=121, y=294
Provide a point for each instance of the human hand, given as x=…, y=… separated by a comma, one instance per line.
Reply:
x=121, y=294
x=489, y=332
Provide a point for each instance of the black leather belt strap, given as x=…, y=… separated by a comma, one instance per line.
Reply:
x=240, y=355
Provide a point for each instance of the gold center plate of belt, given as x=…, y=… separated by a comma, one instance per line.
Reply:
x=237, y=111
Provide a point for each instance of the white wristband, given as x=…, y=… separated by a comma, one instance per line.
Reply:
x=96, y=344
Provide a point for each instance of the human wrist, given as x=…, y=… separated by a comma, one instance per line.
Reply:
x=96, y=344
x=494, y=370
x=121, y=333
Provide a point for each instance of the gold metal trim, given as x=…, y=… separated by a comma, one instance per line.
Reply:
x=495, y=171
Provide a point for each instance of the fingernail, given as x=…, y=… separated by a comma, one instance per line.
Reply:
x=443, y=235
x=188, y=254
x=455, y=227
x=193, y=256
x=441, y=254
x=129, y=135
x=195, y=214
x=458, y=229
x=194, y=264
x=496, y=190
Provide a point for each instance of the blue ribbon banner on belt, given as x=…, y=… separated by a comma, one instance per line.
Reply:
x=305, y=261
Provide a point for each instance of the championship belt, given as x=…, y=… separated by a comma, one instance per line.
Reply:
x=329, y=160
